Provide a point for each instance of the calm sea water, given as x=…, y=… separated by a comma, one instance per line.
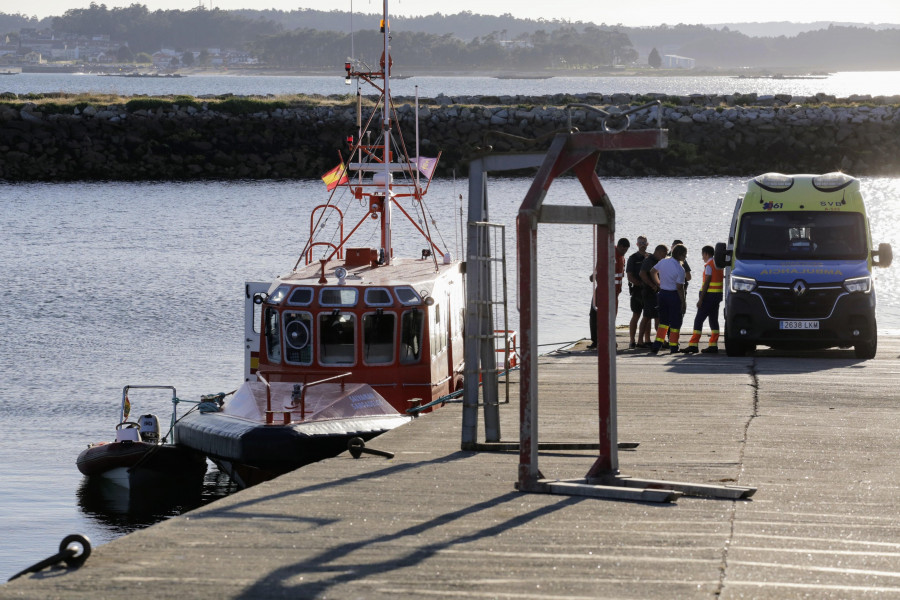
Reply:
x=108, y=284
x=842, y=85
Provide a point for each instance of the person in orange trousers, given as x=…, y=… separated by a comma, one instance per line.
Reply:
x=668, y=275
x=708, y=305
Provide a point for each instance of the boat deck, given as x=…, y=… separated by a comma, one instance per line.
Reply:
x=816, y=434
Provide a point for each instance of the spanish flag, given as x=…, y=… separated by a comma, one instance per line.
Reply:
x=335, y=177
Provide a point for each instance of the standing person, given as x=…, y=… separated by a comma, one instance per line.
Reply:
x=651, y=289
x=708, y=304
x=668, y=275
x=622, y=247
x=687, y=269
x=636, y=290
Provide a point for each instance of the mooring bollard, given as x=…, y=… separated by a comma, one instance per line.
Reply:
x=73, y=550
x=357, y=446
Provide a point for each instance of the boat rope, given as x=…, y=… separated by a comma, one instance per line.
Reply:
x=206, y=404
x=452, y=397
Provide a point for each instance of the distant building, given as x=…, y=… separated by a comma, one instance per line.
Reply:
x=672, y=61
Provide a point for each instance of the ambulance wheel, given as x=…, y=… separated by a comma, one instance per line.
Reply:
x=734, y=347
x=867, y=349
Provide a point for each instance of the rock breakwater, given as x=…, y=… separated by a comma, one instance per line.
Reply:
x=204, y=138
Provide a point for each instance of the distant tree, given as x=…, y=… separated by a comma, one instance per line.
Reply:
x=654, y=60
x=124, y=54
x=203, y=58
x=187, y=59
x=143, y=58
x=174, y=62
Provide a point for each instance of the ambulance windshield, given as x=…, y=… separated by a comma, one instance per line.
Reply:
x=802, y=236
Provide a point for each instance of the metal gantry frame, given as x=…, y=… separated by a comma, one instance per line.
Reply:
x=578, y=153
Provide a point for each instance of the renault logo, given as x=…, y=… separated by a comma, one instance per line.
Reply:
x=799, y=288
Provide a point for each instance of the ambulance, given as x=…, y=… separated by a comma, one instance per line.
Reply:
x=798, y=266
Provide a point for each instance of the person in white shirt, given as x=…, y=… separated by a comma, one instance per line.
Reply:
x=668, y=274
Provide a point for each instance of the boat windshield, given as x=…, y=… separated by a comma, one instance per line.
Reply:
x=802, y=235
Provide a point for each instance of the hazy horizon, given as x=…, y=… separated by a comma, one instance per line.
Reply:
x=649, y=13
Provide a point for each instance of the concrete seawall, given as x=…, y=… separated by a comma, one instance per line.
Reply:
x=200, y=138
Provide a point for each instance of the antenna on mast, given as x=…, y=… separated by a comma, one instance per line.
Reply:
x=352, y=51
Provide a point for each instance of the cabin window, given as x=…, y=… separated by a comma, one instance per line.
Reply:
x=378, y=337
x=378, y=297
x=337, y=336
x=298, y=338
x=438, y=330
x=411, y=336
x=337, y=296
x=278, y=295
x=273, y=336
x=407, y=296
x=301, y=297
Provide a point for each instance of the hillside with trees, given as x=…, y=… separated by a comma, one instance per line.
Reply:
x=313, y=39
x=563, y=48
x=146, y=31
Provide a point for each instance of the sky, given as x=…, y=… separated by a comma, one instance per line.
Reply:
x=633, y=14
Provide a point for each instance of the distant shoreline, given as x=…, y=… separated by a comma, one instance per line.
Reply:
x=548, y=74
x=399, y=73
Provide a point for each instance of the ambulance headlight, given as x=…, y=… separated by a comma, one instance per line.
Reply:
x=858, y=284
x=742, y=284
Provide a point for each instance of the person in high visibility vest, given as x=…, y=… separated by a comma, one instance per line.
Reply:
x=708, y=305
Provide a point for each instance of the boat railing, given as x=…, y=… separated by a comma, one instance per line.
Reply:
x=298, y=396
x=126, y=403
x=315, y=219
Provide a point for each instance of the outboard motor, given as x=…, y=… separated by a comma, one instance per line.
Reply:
x=149, y=428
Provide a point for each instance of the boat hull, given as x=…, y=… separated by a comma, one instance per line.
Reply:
x=131, y=464
x=241, y=442
x=251, y=453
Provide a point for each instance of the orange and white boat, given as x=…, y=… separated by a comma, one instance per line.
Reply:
x=353, y=336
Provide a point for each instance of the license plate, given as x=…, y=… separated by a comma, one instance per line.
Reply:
x=799, y=325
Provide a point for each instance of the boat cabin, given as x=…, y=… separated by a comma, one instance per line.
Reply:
x=396, y=327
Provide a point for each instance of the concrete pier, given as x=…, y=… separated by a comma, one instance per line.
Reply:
x=816, y=433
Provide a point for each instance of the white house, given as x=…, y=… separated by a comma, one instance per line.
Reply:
x=673, y=61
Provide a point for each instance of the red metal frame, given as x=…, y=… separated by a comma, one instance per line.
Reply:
x=579, y=153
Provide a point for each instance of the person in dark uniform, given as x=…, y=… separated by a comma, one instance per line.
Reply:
x=651, y=288
x=638, y=329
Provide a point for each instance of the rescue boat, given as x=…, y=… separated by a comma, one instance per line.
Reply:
x=139, y=457
x=350, y=339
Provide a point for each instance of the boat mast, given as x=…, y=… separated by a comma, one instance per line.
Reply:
x=386, y=126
